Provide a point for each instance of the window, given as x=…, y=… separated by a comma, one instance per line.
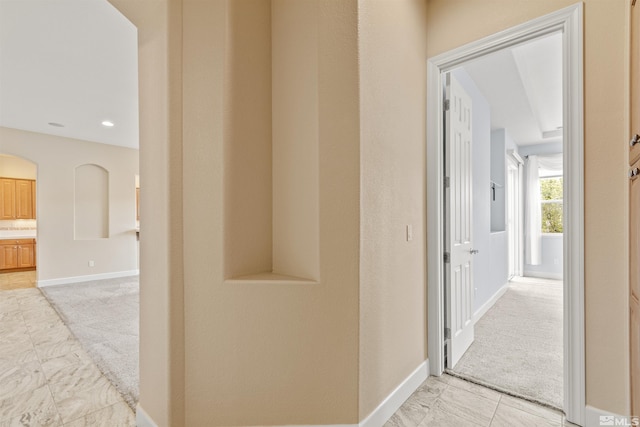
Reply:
x=551, y=204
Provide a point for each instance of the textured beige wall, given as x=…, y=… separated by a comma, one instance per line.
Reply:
x=91, y=202
x=16, y=167
x=452, y=23
x=269, y=353
x=59, y=254
x=393, y=336
x=247, y=139
x=296, y=348
x=295, y=138
x=161, y=276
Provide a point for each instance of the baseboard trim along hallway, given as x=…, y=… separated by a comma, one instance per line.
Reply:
x=87, y=278
x=392, y=403
x=377, y=418
x=143, y=419
x=487, y=305
x=592, y=418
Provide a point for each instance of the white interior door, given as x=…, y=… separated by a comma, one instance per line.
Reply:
x=458, y=233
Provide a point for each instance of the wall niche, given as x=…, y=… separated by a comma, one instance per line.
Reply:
x=91, y=202
x=271, y=173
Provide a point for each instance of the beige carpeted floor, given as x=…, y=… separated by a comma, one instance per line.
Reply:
x=518, y=345
x=104, y=316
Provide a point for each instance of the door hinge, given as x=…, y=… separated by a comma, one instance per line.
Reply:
x=447, y=257
x=446, y=104
x=446, y=182
x=447, y=333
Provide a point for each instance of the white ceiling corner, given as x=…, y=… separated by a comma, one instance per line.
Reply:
x=523, y=86
x=540, y=66
x=72, y=62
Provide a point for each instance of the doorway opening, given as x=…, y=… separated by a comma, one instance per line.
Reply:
x=18, y=223
x=520, y=253
x=504, y=323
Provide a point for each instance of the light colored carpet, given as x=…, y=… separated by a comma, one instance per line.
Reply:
x=104, y=317
x=518, y=343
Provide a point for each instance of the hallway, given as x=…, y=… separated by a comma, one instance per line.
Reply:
x=447, y=401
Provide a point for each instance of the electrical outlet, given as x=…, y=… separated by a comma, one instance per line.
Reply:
x=409, y=233
x=92, y=263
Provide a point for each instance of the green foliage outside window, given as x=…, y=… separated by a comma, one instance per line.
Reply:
x=551, y=203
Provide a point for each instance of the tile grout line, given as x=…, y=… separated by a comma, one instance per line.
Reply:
x=86, y=362
x=46, y=377
x=495, y=411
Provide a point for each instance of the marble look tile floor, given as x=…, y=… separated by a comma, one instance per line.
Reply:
x=449, y=401
x=17, y=280
x=46, y=379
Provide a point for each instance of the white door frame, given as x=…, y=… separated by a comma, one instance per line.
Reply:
x=515, y=161
x=569, y=22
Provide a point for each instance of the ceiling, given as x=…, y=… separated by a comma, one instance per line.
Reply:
x=523, y=86
x=74, y=62
x=70, y=62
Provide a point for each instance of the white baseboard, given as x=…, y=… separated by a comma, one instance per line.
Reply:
x=487, y=305
x=377, y=418
x=592, y=418
x=390, y=405
x=543, y=275
x=321, y=425
x=87, y=278
x=143, y=419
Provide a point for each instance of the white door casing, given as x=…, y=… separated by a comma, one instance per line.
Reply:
x=569, y=21
x=514, y=214
x=458, y=220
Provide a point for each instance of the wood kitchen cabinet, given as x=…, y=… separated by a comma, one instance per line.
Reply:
x=24, y=199
x=17, y=199
x=7, y=198
x=17, y=254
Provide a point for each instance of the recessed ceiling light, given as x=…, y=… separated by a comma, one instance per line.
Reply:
x=58, y=125
x=108, y=124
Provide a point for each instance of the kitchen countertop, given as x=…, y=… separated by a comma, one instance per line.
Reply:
x=17, y=234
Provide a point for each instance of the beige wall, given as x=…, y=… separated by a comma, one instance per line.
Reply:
x=247, y=139
x=393, y=336
x=159, y=24
x=15, y=167
x=296, y=125
x=273, y=353
x=269, y=353
x=91, y=202
x=606, y=123
x=60, y=255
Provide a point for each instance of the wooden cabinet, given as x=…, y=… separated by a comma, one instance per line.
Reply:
x=24, y=199
x=17, y=199
x=17, y=254
x=7, y=198
x=8, y=256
